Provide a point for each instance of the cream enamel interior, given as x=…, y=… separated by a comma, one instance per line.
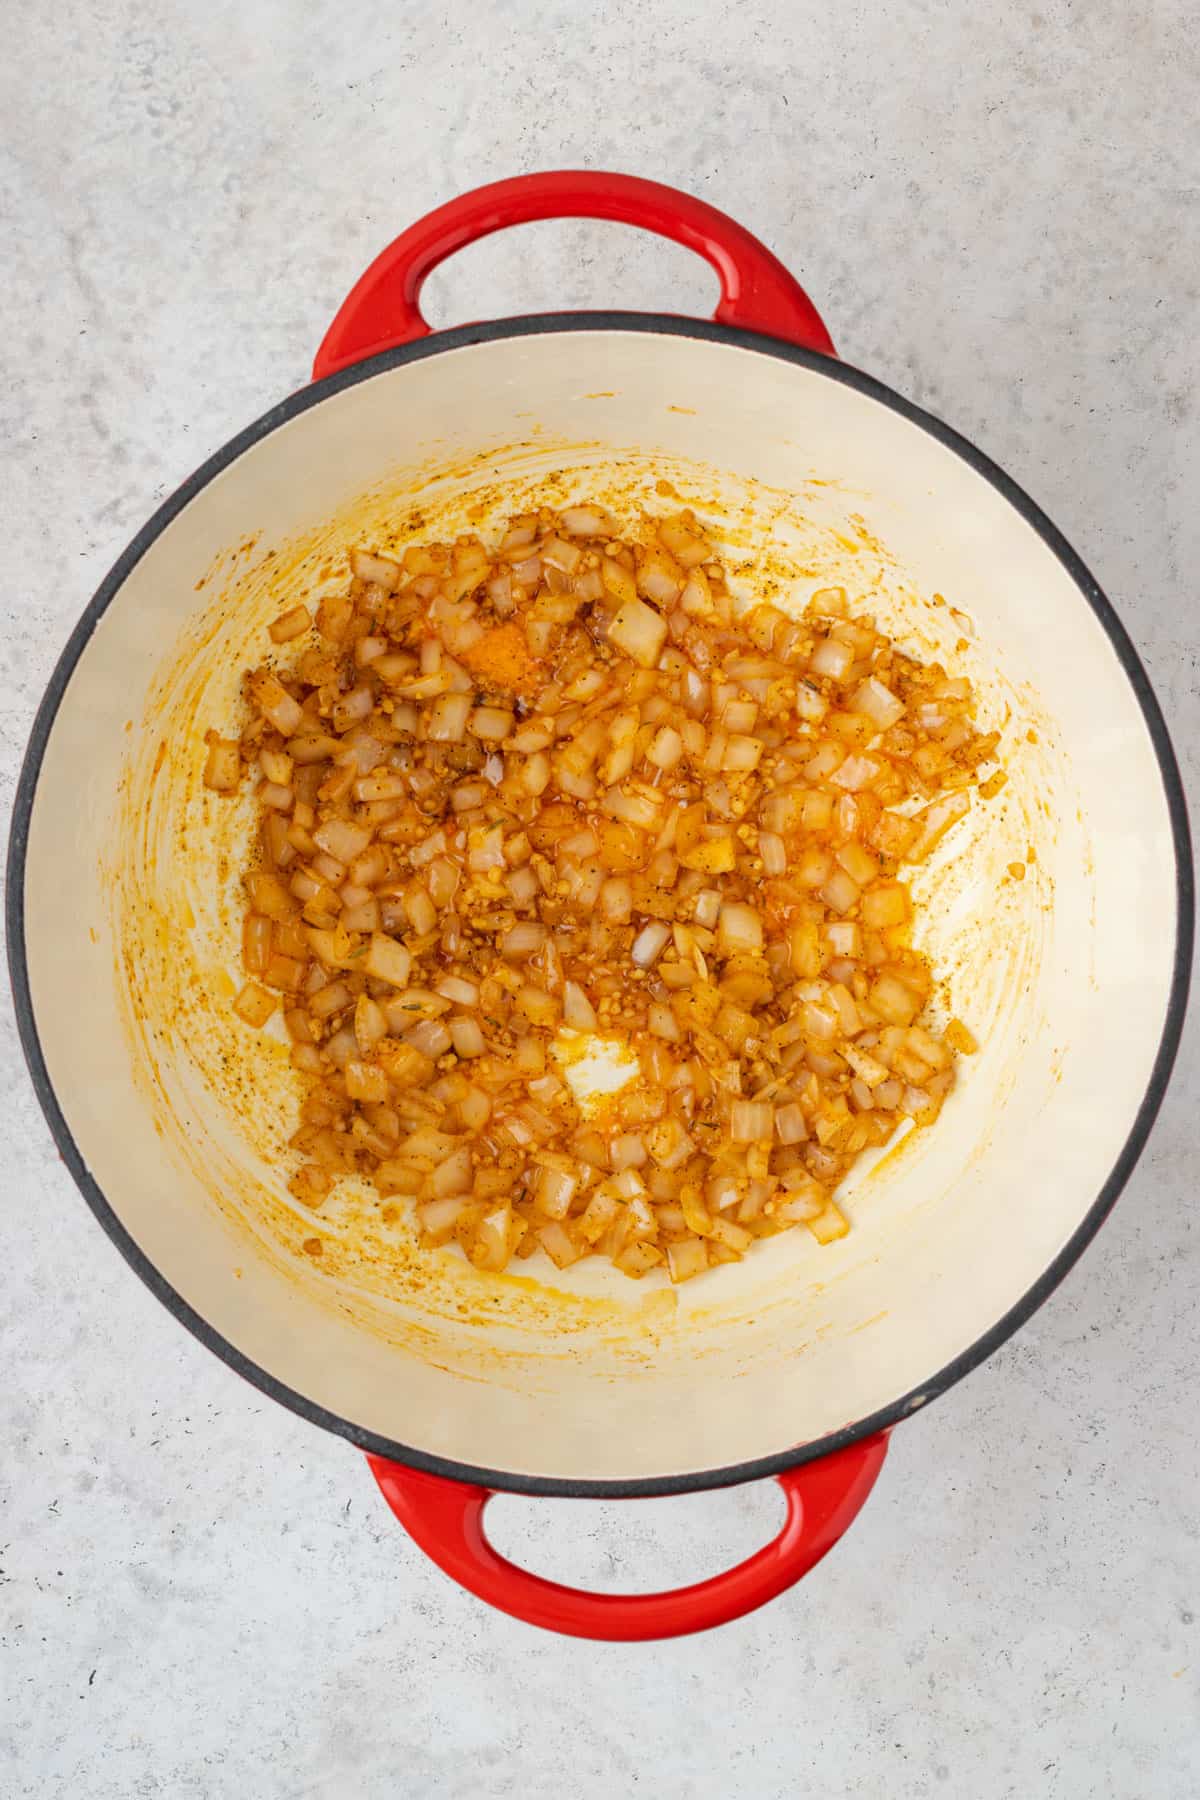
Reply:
x=1064, y=976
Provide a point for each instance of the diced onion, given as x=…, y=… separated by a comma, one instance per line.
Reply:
x=878, y=702
x=666, y=750
x=739, y=928
x=649, y=944
x=554, y=1192
x=790, y=1124
x=616, y=900
x=885, y=904
x=353, y=708
x=491, y=723
x=628, y=1152
x=448, y=718
x=365, y=1082
x=578, y=1012
x=855, y=773
x=832, y=658
x=523, y=940
x=750, y=1121
x=462, y=993
x=430, y=1037
x=467, y=1037
x=289, y=625
x=686, y=1258
x=387, y=960
x=223, y=770
x=339, y=839
x=742, y=754
x=935, y=820
x=839, y=891
x=255, y=1004
x=584, y=521
x=379, y=569
x=639, y=632
x=773, y=852
x=486, y=844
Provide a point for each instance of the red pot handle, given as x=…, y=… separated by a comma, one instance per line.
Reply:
x=383, y=308
x=446, y=1519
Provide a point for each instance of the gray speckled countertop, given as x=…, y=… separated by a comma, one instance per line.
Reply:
x=996, y=208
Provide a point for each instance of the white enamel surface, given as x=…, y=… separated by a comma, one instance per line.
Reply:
x=1071, y=973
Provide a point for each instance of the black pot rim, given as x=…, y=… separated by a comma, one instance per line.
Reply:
x=968, y=1359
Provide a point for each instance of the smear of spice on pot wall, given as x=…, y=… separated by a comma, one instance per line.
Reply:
x=579, y=889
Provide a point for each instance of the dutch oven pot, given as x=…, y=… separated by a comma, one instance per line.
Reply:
x=797, y=1362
